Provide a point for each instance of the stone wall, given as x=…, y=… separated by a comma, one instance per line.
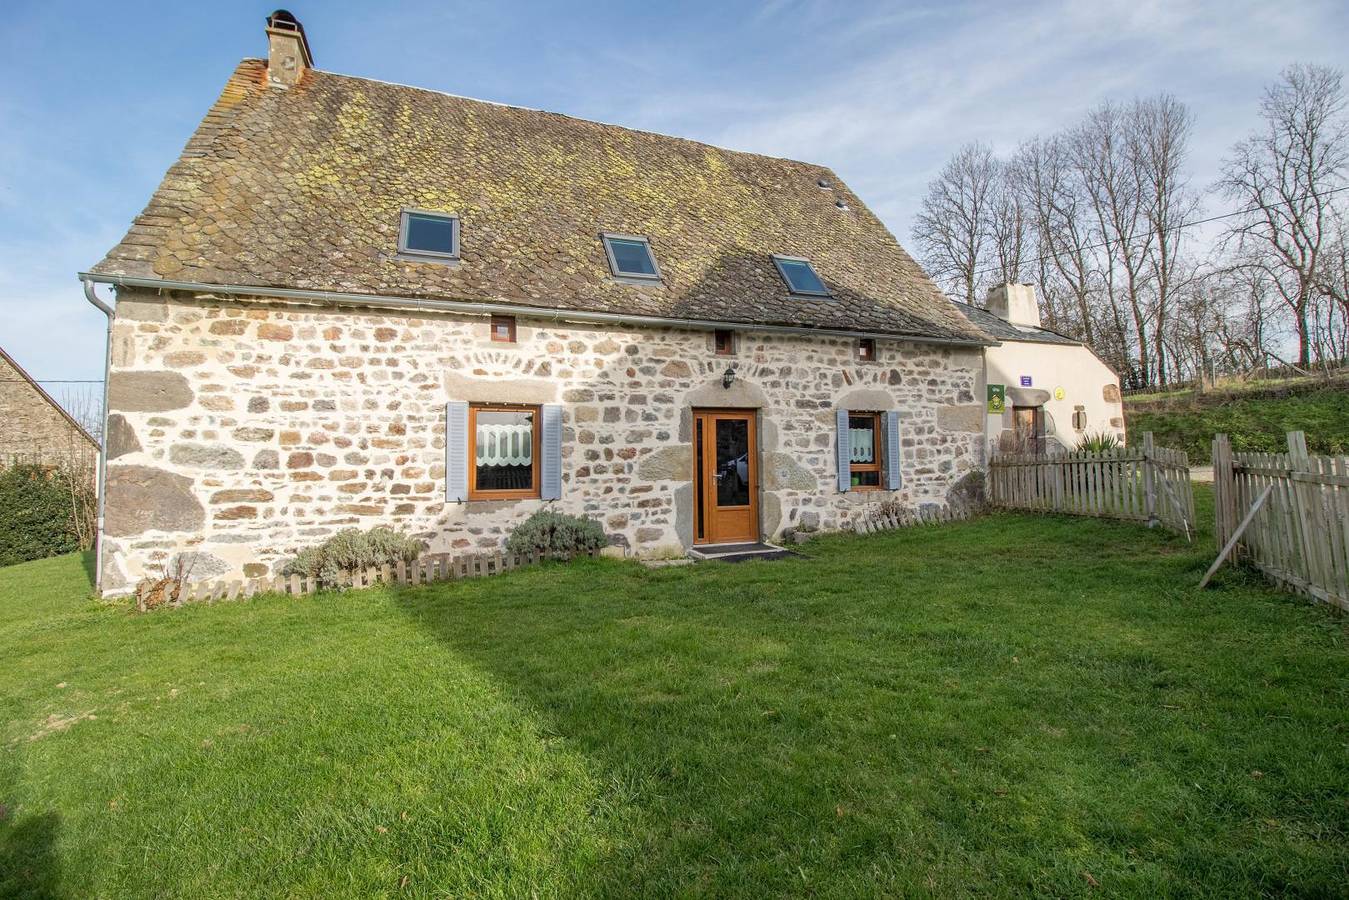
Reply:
x=33, y=429
x=242, y=430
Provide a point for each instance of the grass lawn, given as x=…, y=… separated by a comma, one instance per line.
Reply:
x=1014, y=705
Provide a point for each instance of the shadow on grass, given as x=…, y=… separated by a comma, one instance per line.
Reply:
x=88, y=560
x=28, y=863
x=690, y=764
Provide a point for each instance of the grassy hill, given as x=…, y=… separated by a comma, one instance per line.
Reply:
x=1257, y=418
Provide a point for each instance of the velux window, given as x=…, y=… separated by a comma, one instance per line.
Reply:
x=630, y=257
x=426, y=234
x=800, y=276
x=503, y=452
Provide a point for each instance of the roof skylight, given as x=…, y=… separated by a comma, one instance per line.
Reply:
x=630, y=257
x=800, y=276
x=429, y=234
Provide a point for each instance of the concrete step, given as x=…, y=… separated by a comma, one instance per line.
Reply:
x=738, y=552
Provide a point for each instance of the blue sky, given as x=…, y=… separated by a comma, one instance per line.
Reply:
x=97, y=98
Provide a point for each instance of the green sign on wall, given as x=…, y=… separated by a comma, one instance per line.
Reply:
x=997, y=398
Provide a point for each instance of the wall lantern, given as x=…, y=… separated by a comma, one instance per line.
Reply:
x=728, y=378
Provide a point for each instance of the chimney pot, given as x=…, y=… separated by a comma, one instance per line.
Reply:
x=287, y=49
x=1016, y=303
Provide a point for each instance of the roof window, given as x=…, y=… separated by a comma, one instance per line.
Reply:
x=630, y=257
x=800, y=276
x=428, y=234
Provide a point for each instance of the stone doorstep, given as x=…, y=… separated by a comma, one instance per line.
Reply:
x=738, y=552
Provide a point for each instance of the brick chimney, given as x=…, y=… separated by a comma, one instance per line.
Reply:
x=287, y=50
x=1014, y=302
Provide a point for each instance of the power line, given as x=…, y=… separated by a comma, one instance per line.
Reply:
x=1218, y=218
x=52, y=380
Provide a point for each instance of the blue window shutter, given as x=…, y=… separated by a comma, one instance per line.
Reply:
x=844, y=450
x=894, y=479
x=550, y=465
x=456, y=451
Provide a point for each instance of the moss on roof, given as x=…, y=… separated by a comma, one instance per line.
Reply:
x=302, y=188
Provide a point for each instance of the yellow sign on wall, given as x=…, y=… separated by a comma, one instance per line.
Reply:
x=1059, y=393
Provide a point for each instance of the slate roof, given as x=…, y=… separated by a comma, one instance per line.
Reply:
x=302, y=188
x=1002, y=330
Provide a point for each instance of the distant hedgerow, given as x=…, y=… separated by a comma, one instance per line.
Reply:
x=36, y=513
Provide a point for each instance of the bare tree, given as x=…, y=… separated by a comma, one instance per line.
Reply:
x=85, y=405
x=1006, y=227
x=952, y=230
x=1043, y=177
x=1158, y=132
x=1104, y=154
x=1287, y=173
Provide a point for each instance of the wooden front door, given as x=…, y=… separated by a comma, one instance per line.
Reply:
x=1029, y=422
x=725, y=477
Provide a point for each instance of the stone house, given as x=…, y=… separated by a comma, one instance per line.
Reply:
x=1045, y=391
x=353, y=303
x=34, y=428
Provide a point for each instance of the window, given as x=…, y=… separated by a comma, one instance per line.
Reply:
x=723, y=340
x=864, y=432
x=800, y=276
x=1080, y=418
x=630, y=257
x=503, y=452
x=503, y=329
x=866, y=349
x=428, y=234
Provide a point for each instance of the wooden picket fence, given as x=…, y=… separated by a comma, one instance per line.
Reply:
x=1147, y=484
x=427, y=569
x=1299, y=535
x=908, y=518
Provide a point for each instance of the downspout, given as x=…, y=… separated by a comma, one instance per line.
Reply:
x=102, y=450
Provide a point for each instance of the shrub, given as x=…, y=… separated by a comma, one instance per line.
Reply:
x=36, y=513
x=1100, y=442
x=350, y=549
x=556, y=535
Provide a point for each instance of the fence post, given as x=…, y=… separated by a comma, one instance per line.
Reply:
x=1149, y=480
x=1224, y=490
x=1307, y=530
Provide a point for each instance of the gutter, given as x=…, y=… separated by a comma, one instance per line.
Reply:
x=107, y=311
x=337, y=298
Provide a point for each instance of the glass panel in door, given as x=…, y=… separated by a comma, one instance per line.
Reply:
x=732, y=463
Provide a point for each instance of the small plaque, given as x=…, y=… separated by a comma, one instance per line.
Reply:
x=1025, y=381
x=997, y=398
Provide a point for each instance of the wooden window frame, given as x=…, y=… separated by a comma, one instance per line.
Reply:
x=866, y=349
x=717, y=335
x=877, y=426
x=492, y=329
x=532, y=493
